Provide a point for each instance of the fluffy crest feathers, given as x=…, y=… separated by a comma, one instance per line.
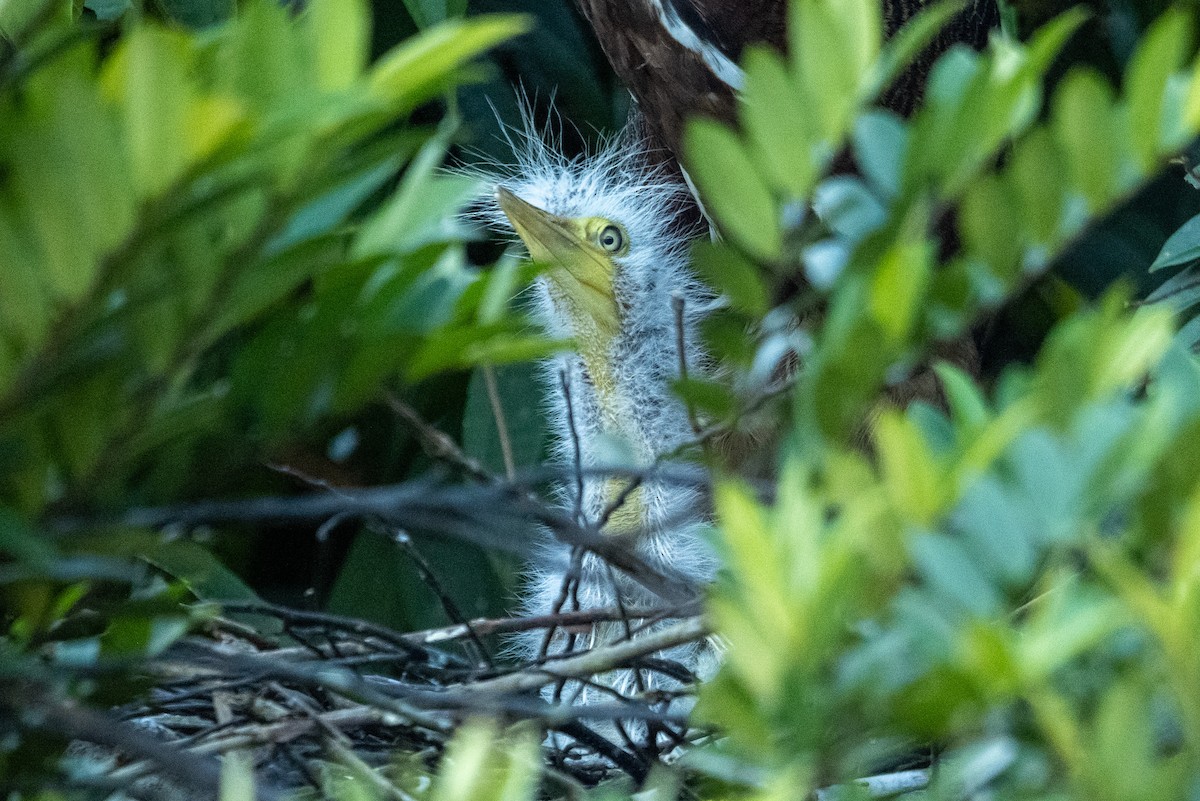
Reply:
x=616, y=179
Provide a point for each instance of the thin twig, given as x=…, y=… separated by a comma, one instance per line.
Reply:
x=362, y=628
x=78, y=722
x=472, y=514
x=493, y=392
x=678, y=304
x=436, y=443
x=482, y=655
x=486, y=626
x=576, y=450
x=597, y=660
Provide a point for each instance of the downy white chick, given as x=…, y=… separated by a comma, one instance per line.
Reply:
x=605, y=225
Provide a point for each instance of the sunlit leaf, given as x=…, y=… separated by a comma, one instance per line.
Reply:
x=733, y=189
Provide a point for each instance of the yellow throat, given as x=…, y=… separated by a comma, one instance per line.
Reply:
x=579, y=253
x=580, y=280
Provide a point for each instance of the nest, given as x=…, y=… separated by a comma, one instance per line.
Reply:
x=348, y=696
x=301, y=691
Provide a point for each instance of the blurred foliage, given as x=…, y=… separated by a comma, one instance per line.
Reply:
x=1011, y=577
x=225, y=237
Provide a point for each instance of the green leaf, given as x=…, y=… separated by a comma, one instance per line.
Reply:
x=1160, y=53
x=1039, y=196
x=999, y=532
x=430, y=12
x=898, y=288
x=152, y=74
x=68, y=174
x=880, y=147
x=263, y=59
x=423, y=210
x=1181, y=247
x=500, y=287
x=967, y=405
x=1180, y=292
x=20, y=542
x=732, y=275
x=465, y=347
x=482, y=765
x=25, y=305
x=332, y=208
x=1065, y=623
x=198, y=14
x=846, y=205
x=1048, y=40
x=136, y=635
x=340, y=33
x=18, y=16
x=732, y=189
x=951, y=571
x=909, y=41
x=198, y=569
x=910, y=471
x=939, y=144
x=417, y=68
x=773, y=115
x=987, y=222
x=833, y=44
x=1089, y=133
x=108, y=10
x=711, y=400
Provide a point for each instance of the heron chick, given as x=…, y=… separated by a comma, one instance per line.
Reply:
x=605, y=226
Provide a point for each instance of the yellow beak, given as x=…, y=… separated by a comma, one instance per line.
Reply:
x=580, y=274
x=580, y=280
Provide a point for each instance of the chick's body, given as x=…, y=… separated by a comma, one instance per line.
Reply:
x=605, y=226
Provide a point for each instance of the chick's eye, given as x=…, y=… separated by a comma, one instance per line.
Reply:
x=611, y=238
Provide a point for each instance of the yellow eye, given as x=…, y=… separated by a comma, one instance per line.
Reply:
x=611, y=238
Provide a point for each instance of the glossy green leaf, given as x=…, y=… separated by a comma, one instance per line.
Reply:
x=424, y=209
x=1183, y=246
